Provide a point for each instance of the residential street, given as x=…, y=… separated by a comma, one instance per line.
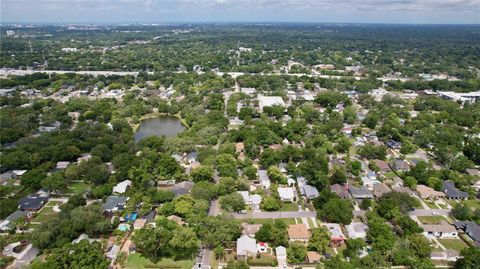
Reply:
x=276, y=215
x=430, y=212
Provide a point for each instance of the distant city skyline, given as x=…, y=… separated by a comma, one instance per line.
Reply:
x=167, y=11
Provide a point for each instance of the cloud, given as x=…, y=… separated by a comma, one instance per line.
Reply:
x=239, y=10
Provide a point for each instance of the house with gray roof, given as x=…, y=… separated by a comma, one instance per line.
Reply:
x=451, y=192
x=33, y=202
x=360, y=193
x=114, y=203
x=182, y=188
x=470, y=228
x=246, y=247
x=309, y=191
x=11, y=221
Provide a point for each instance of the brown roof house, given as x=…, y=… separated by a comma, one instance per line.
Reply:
x=298, y=232
x=313, y=256
x=383, y=165
x=426, y=192
x=340, y=190
x=380, y=189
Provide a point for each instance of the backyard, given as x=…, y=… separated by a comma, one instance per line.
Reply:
x=455, y=244
x=137, y=261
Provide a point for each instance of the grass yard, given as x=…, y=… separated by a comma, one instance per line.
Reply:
x=310, y=223
x=389, y=174
x=473, y=204
x=430, y=204
x=53, y=203
x=42, y=217
x=77, y=188
x=288, y=221
x=137, y=261
x=289, y=207
x=455, y=244
x=47, y=210
x=264, y=260
x=260, y=221
x=431, y=219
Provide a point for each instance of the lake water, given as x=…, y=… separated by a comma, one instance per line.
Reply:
x=163, y=125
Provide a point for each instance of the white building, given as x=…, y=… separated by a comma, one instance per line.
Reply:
x=467, y=97
x=122, y=186
x=10, y=33
x=357, y=230
x=264, y=101
x=286, y=194
x=69, y=49
x=246, y=247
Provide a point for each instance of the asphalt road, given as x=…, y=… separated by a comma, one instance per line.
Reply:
x=276, y=215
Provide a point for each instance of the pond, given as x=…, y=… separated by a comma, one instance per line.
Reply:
x=163, y=125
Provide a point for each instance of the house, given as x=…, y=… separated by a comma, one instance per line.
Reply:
x=442, y=230
x=10, y=222
x=470, y=228
x=122, y=186
x=298, y=232
x=309, y=191
x=286, y=194
x=112, y=252
x=239, y=147
x=451, y=192
x=340, y=190
x=400, y=165
x=380, y=189
x=281, y=253
x=360, y=192
x=182, y=188
x=337, y=238
x=473, y=172
x=406, y=190
x=426, y=192
x=394, y=144
x=33, y=202
x=313, y=256
x=139, y=224
x=250, y=229
x=253, y=201
x=178, y=220
x=382, y=165
x=9, y=175
x=62, y=165
x=246, y=247
x=357, y=230
x=114, y=203
x=268, y=101
x=264, y=180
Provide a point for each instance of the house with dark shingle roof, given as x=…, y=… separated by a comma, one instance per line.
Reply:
x=470, y=228
x=33, y=202
x=114, y=203
x=10, y=221
x=451, y=192
x=360, y=192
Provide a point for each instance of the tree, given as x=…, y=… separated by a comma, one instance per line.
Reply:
x=380, y=235
x=394, y=203
x=269, y=203
x=296, y=252
x=371, y=151
x=276, y=176
x=461, y=163
x=469, y=259
x=472, y=150
x=319, y=239
x=202, y=173
x=354, y=246
x=204, y=190
x=226, y=165
x=233, y=202
x=365, y=204
x=461, y=211
x=410, y=182
x=55, y=182
x=264, y=234
x=185, y=242
x=337, y=263
x=338, y=175
x=337, y=211
x=72, y=256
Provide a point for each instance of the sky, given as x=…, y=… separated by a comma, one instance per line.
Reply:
x=167, y=11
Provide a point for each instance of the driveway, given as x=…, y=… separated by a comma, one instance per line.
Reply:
x=276, y=215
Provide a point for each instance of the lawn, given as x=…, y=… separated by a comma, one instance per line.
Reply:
x=264, y=260
x=431, y=219
x=455, y=244
x=431, y=204
x=260, y=221
x=42, y=217
x=288, y=221
x=47, y=210
x=310, y=223
x=473, y=204
x=77, y=188
x=289, y=207
x=53, y=203
x=137, y=261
